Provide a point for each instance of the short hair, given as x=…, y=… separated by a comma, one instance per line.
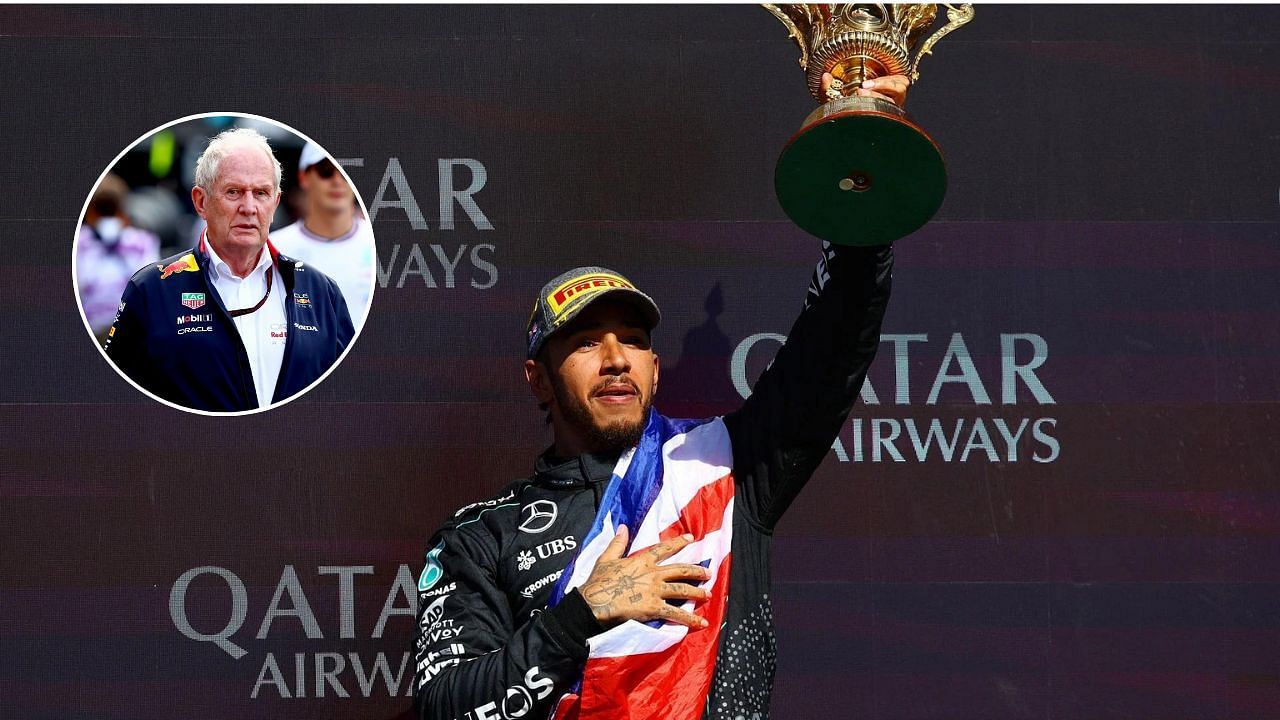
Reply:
x=225, y=142
x=109, y=197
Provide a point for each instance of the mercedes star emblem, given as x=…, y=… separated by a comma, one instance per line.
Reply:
x=538, y=516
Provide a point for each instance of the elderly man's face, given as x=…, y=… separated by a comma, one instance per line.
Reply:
x=598, y=376
x=326, y=189
x=239, y=207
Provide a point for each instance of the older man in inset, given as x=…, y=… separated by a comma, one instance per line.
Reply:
x=230, y=325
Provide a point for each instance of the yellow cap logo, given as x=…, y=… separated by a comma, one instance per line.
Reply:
x=578, y=289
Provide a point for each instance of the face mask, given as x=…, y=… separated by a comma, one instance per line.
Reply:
x=109, y=229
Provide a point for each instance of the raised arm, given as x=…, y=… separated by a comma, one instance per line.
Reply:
x=783, y=431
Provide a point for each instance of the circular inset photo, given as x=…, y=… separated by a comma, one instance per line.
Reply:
x=224, y=263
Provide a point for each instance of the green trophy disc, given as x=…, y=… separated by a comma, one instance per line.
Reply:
x=860, y=174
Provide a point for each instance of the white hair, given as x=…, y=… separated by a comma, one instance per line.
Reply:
x=225, y=142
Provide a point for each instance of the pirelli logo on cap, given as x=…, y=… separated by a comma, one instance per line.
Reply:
x=584, y=287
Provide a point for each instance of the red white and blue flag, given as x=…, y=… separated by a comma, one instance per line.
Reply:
x=678, y=479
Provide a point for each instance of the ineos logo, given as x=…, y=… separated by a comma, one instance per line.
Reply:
x=518, y=700
x=538, y=516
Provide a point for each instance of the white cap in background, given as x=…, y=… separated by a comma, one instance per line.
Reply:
x=311, y=154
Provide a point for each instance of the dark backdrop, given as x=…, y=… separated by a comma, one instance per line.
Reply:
x=1101, y=542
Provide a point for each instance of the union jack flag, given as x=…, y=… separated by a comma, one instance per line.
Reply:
x=678, y=479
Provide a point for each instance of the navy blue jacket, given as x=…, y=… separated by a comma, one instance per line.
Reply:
x=193, y=356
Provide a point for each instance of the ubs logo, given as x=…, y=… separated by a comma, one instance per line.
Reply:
x=526, y=560
x=555, y=547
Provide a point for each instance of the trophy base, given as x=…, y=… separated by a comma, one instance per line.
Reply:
x=860, y=173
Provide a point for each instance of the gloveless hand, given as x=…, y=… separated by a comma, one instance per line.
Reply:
x=890, y=87
x=638, y=587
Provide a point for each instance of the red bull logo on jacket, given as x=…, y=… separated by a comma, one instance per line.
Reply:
x=183, y=264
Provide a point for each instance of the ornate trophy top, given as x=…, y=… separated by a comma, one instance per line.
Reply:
x=856, y=42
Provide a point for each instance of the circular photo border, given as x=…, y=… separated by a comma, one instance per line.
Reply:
x=111, y=166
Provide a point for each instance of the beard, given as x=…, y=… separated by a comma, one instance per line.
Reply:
x=615, y=436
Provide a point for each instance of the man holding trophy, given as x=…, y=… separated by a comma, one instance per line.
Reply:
x=629, y=576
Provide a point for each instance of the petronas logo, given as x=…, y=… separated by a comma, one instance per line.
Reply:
x=432, y=573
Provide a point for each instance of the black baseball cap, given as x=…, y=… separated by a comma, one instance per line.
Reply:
x=569, y=293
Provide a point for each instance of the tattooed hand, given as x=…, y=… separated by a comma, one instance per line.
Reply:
x=637, y=587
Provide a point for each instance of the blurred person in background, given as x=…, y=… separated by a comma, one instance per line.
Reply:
x=231, y=324
x=108, y=251
x=331, y=235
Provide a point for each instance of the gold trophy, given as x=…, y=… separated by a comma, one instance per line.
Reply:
x=859, y=172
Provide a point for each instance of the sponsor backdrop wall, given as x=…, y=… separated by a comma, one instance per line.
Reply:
x=1057, y=500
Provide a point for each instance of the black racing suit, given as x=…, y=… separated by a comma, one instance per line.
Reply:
x=488, y=649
